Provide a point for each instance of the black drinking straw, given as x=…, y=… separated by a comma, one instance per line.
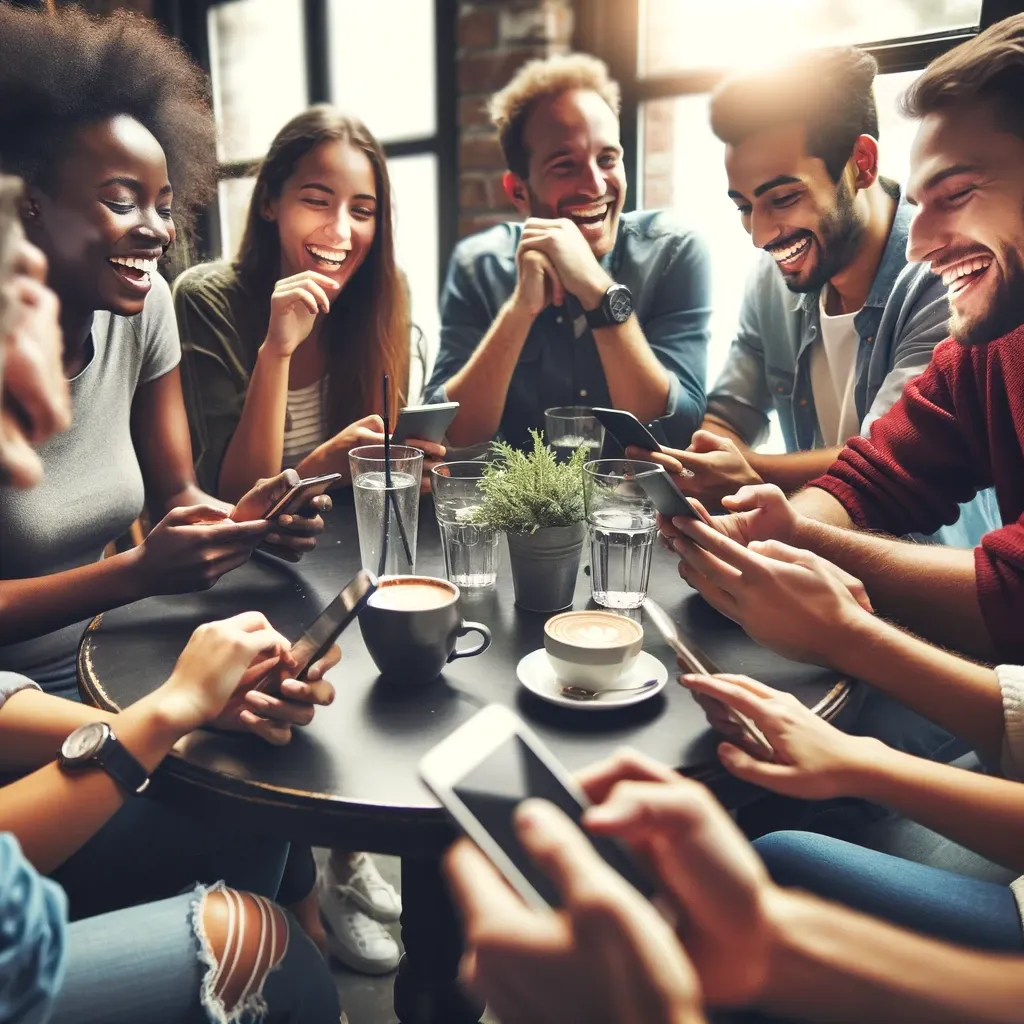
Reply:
x=389, y=498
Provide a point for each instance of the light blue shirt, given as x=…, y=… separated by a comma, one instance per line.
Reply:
x=665, y=266
x=904, y=318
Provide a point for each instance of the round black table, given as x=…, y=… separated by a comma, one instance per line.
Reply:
x=350, y=778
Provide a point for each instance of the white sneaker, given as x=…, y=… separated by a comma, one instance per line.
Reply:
x=365, y=887
x=355, y=939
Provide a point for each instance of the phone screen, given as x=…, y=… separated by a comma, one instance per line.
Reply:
x=513, y=773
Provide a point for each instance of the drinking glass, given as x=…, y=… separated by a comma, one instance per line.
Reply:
x=623, y=526
x=382, y=524
x=470, y=551
x=568, y=427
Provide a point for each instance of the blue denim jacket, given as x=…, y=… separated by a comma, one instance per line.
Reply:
x=903, y=319
x=664, y=265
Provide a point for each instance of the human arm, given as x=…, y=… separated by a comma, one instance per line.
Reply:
x=480, y=347
x=802, y=606
x=52, y=811
x=754, y=944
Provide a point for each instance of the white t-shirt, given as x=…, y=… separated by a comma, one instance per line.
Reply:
x=834, y=376
x=304, y=426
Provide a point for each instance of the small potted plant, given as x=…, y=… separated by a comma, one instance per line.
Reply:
x=538, y=503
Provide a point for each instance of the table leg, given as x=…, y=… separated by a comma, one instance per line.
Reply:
x=426, y=987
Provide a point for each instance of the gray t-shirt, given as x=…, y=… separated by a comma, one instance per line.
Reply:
x=92, y=489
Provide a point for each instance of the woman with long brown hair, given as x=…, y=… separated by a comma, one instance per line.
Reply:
x=283, y=353
x=285, y=347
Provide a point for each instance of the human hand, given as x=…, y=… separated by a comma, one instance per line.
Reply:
x=537, y=283
x=792, y=601
x=272, y=716
x=192, y=547
x=812, y=759
x=332, y=455
x=294, y=306
x=562, y=242
x=605, y=956
x=708, y=871
x=430, y=461
x=211, y=668
x=291, y=535
x=36, y=399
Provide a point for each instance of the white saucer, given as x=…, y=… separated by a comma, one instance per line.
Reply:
x=537, y=675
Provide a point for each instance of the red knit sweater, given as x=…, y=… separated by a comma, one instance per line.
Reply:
x=957, y=429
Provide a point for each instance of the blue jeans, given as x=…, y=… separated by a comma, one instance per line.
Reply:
x=924, y=899
x=144, y=965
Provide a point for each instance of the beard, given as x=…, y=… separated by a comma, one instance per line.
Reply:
x=838, y=238
x=1004, y=314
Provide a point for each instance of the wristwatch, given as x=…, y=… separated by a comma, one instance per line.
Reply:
x=616, y=308
x=94, y=744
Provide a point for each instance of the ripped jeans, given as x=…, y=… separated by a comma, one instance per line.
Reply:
x=154, y=963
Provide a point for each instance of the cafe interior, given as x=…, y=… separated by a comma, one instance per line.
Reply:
x=510, y=511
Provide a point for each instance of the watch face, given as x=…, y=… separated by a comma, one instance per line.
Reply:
x=84, y=742
x=620, y=305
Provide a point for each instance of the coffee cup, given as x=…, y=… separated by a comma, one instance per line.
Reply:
x=592, y=649
x=411, y=625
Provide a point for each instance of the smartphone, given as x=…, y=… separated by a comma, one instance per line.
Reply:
x=424, y=422
x=484, y=770
x=326, y=628
x=667, y=498
x=301, y=494
x=626, y=429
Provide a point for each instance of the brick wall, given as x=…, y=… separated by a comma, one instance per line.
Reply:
x=496, y=37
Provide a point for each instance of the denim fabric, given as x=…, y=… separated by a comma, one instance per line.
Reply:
x=665, y=266
x=33, y=951
x=903, y=319
x=144, y=964
x=924, y=899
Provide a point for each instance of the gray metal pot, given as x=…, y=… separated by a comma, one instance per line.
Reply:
x=544, y=566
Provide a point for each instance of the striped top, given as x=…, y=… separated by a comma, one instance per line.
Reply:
x=304, y=425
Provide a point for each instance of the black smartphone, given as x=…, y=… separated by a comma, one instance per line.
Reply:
x=667, y=498
x=424, y=422
x=484, y=770
x=301, y=494
x=626, y=429
x=326, y=628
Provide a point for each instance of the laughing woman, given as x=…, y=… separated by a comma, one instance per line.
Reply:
x=283, y=352
x=283, y=349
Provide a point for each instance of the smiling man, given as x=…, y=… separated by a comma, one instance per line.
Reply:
x=833, y=322
x=959, y=427
x=582, y=304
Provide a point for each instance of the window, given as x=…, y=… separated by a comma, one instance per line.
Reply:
x=269, y=59
x=669, y=54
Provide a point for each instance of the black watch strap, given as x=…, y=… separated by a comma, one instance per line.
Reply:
x=121, y=766
x=616, y=308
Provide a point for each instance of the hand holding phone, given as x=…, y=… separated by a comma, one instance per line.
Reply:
x=484, y=770
x=302, y=494
x=321, y=635
x=424, y=422
x=667, y=498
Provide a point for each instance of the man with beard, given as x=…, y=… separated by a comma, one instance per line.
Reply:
x=581, y=304
x=959, y=427
x=833, y=322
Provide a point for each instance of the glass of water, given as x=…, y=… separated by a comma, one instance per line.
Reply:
x=623, y=526
x=470, y=551
x=387, y=529
x=568, y=427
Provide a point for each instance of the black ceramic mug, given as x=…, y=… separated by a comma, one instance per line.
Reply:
x=411, y=625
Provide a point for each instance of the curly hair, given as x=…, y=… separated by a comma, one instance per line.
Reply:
x=537, y=80
x=59, y=72
x=829, y=90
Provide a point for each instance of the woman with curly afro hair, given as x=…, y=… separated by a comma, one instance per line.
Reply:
x=107, y=122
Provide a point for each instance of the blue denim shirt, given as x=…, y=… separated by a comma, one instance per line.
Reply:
x=664, y=265
x=904, y=318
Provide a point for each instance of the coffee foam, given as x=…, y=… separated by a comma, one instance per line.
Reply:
x=411, y=596
x=593, y=629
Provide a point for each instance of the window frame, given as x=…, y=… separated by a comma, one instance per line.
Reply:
x=610, y=29
x=186, y=21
